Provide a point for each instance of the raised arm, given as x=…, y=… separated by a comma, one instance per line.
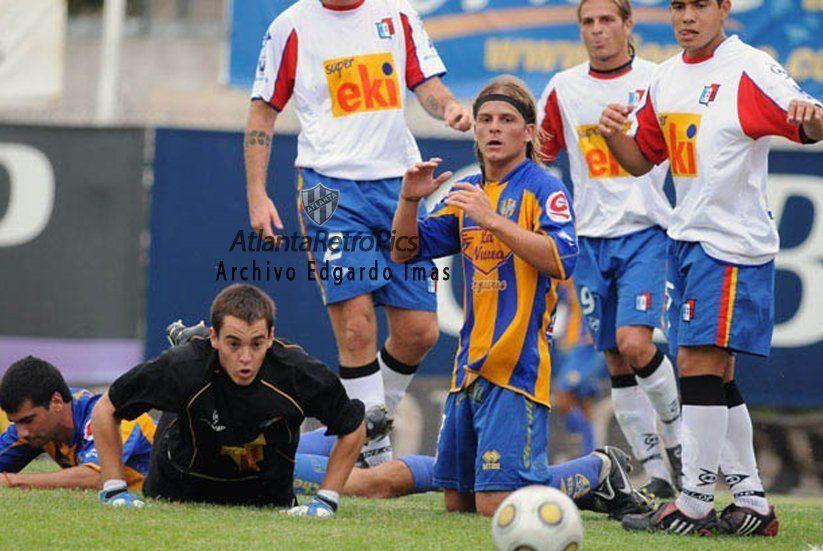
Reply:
x=418, y=182
x=613, y=122
x=263, y=215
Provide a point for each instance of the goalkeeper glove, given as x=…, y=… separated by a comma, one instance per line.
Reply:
x=115, y=493
x=323, y=504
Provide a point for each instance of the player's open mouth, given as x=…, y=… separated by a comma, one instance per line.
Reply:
x=245, y=373
x=494, y=143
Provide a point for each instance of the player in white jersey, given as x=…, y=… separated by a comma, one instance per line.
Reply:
x=710, y=111
x=348, y=63
x=622, y=221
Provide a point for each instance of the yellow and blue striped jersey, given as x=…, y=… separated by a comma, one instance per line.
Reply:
x=507, y=303
x=138, y=436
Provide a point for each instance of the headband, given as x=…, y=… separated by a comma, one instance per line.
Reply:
x=517, y=104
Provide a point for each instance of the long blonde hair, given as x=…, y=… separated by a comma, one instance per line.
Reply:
x=516, y=89
x=624, y=10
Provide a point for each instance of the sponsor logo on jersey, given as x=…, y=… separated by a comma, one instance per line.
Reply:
x=599, y=158
x=491, y=460
x=557, y=208
x=485, y=251
x=359, y=84
x=643, y=302
x=688, y=310
x=709, y=94
x=214, y=423
x=385, y=28
x=319, y=203
x=680, y=131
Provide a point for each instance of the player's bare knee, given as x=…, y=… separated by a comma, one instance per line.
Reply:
x=417, y=337
x=488, y=502
x=635, y=345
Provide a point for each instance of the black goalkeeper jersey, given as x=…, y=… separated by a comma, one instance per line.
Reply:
x=225, y=433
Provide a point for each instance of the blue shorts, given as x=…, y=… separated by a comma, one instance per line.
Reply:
x=358, y=215
x=621, y=282
x=717, y=303
x=581, y=371
x=492, y=439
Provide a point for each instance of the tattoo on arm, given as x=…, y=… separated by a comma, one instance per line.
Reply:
x=433, y=106
x=258, y=137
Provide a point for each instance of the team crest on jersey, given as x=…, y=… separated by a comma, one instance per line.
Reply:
x=636, y=96
x=557, y=208
x=680, y=131
x=709, y=94
x=507, y=207
x=319, y=203
x=363, y=83
x=248, y=456
x=485, y=251
x=385, y=28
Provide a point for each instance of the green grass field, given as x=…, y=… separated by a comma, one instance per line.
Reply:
x=72, y=519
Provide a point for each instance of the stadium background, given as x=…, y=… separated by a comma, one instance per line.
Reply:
x=112, y=223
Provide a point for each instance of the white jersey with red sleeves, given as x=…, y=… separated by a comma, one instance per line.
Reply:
x=711, y=119
x=348, y=70
x=609, y=202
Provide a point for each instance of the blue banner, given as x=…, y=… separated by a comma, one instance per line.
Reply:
x=199, y=206
x=533, y=39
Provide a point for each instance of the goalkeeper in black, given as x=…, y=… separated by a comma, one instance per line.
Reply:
x=233, y=406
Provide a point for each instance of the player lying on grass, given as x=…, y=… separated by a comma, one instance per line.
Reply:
x=232, y=407
x=514, y=225
x=64, y=432
x=405, y=475
x=49, y=417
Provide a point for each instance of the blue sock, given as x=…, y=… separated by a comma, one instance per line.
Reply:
x=577, y=477
x=422, y=469
x=576, y=423
x=316, y=443
x=309, y=472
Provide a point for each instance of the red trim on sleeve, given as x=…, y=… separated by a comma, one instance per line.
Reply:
x=552, y=139
x=649, y=137
x=414, y=74
x=760, y=115
x=284, y=85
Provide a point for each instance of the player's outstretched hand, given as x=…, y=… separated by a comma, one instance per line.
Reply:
x=471, y=199
x=263, y=215
x=614, y=119
x=419, y=180
x=322, y=505
x=121, y=498
x=457, y=116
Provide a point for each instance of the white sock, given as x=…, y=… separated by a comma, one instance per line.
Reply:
x=661, y=388
x=704, y=429
x=636, y=418
x=396, y=379
x=368, y=388
x=738, y=461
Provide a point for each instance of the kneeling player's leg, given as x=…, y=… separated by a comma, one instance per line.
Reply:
x=456, y=451
x=407, y=475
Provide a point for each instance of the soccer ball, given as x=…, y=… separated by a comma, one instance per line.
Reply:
x=537, y=518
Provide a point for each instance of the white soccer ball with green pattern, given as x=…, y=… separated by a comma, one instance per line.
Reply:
x=537, y=518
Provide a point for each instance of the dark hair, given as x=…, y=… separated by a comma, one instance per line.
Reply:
x=31, y=379
x=518, y=90
x=242, y=301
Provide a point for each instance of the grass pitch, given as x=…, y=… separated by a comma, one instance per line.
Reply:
x=73, y=519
